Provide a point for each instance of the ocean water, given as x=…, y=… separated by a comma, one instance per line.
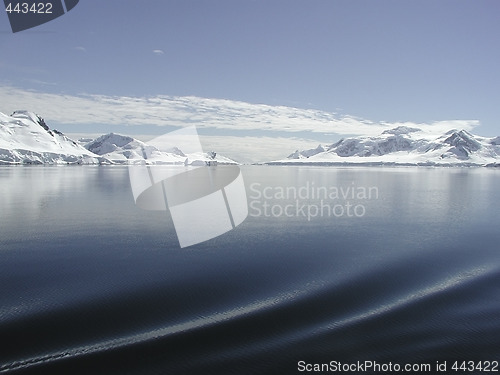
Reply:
x=331, y=267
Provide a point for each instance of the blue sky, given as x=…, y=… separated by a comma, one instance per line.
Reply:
x=375, y=61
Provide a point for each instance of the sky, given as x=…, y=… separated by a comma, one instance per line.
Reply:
x=258, y=77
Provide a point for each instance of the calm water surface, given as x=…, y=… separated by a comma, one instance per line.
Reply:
x=92, y=284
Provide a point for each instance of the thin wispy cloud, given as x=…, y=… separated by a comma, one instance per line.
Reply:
x=80, y=48
x=202, y=112
x=158, y=52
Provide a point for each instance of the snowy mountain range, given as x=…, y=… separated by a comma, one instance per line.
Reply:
x=121, y=149
x=25, y=138
x=404, y=146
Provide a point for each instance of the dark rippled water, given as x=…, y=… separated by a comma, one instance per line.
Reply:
x=91, y=284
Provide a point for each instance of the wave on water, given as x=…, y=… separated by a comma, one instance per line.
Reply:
x=321, y=321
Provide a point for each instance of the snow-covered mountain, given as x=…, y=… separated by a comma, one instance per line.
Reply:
x=404, y=146
x=121, y=149
x=25, y=138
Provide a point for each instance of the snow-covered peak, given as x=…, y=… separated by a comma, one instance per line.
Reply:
x=462, y=143
x=306, y=153
x=109, y=143
x=401, y=130
x=495, y=141
x=122, y=149
x=23, y=114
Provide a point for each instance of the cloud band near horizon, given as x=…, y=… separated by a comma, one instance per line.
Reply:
x=202, y=112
